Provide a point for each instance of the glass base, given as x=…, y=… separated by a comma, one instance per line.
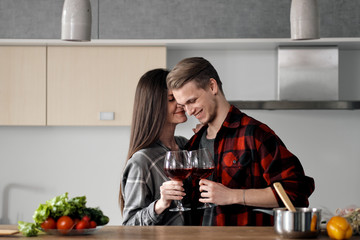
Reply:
x=182, y=209
x=206, y=205
x=179, y=207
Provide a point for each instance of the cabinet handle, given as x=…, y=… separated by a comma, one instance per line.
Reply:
x=107, y=115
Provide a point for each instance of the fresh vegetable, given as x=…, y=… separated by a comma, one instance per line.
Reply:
x=86, y=218
x=338, y=228
x=65, y=222
x=27, y=229
x=83, y=224
x=93, y=224
x=64, y=214
x=352, y=215
x=96, y=215
x=49, y=223
x=60, y=206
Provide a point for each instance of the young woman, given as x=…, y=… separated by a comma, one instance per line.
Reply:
x=145, y=192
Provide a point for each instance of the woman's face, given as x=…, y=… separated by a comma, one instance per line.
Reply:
x=176, y=113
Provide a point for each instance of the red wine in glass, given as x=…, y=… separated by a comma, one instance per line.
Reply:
x=177, y=166
x=178, y=174
x=203, y=166
x=202, y=172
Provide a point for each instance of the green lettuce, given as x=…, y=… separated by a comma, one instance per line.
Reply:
x=28, y=229
x=59, y=206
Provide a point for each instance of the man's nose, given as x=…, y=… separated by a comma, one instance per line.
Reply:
x=189, y=110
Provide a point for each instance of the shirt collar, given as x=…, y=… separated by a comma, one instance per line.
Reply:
x=233, y=118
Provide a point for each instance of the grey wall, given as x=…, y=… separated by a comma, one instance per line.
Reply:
x=172, y=19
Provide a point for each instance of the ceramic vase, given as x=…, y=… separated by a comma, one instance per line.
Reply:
x=76, y=20
x=304, y=19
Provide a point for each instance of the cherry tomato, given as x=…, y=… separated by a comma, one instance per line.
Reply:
x=64, y=224
x=86, y=218
x=82, y=225
x=49, y=223
x=93, y=224
x=76, y=221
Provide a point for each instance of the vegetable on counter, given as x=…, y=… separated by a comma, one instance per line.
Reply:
x=64, y=214
x=339, y=228
x=352, y=215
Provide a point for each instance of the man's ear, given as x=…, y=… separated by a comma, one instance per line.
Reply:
x=213, y=86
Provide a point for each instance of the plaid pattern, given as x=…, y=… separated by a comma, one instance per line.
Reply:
x=248, y=154
x=141, y=181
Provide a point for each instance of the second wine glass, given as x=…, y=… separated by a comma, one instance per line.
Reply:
x=178, y=167
x=203, y=166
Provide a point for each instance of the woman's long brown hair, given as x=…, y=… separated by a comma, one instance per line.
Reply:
x=149, y=113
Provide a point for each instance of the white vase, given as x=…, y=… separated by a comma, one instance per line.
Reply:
x=76, y=20
x=304, y=19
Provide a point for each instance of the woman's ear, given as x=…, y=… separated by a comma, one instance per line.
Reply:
x=213, y=86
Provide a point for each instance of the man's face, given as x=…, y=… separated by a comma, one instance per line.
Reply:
x=197, y=101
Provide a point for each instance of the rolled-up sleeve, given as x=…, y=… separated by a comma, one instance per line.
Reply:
x=280, y=165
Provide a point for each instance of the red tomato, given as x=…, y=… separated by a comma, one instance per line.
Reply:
x=82, y=225
x=65, y=223
x=86, y=218
x=76, y=221
x=49, y=223
x=92, y=224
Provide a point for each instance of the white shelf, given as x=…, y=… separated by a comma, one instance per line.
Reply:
x=199, y=44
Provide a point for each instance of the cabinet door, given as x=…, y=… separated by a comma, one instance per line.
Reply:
x=23, y=85
x=85, y=81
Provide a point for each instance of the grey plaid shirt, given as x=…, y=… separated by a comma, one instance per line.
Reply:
x=141, y=181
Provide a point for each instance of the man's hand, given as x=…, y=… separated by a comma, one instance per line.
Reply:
x=170, y=190
x=213, y=192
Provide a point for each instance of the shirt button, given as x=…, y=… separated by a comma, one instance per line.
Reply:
x=234, y=161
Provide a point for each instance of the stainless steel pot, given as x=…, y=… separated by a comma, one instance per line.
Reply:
x=303, y=223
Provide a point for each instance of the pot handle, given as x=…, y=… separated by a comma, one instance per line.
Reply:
x=270, y=212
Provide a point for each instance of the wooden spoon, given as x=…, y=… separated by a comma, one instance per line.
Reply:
x=284, y=197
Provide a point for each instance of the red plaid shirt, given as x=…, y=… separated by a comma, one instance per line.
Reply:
x=248, y=154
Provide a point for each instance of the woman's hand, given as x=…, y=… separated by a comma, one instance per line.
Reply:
x=170, y=190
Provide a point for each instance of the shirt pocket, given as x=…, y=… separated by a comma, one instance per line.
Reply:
x=236, y=159
x=236, y=169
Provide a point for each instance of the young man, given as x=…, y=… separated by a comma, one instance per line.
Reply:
x=249, y=156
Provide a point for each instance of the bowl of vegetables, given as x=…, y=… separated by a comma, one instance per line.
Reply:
x=64, y=216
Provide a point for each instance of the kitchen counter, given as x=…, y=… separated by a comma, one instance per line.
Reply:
x=170, y=233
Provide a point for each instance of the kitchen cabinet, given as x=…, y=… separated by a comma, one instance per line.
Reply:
x=79, y=75
x=23, y=85
x=84, y=81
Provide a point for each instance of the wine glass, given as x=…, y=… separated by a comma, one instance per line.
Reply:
x=178, y=167
x=203, y=165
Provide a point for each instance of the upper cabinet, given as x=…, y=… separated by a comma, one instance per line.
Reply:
x=85, y=82
x=72, y=86
x=23, y=85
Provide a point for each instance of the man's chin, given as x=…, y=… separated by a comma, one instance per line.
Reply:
x=203, y=122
